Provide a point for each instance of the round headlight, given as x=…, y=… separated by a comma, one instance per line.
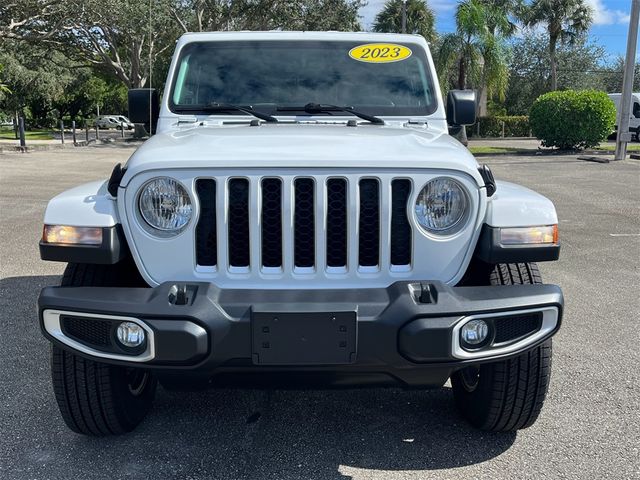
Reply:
x=165, y=204
x=441, y=206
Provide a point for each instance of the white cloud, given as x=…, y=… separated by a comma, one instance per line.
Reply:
x=605, y=16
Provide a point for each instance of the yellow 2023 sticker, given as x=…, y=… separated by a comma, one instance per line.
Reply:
x=380, y=53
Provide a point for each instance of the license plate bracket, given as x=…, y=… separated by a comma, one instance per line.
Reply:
x=304, y=338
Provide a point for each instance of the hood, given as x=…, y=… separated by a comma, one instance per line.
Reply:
x=302, y=146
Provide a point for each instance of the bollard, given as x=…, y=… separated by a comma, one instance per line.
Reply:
x=478, y=129
x=122, y=129
x=502, y=136
x=62, y=131
x=23, y=140
x=97, y=134
x=86, y=131
x=73, y=132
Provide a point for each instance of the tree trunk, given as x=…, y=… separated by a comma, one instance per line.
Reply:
x=483, y=107
x=553, y=39
x=462, y=74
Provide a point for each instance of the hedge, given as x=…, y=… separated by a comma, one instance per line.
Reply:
x=514, y=126
x=572, y=119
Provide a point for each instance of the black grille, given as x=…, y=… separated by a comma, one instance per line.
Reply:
x=272, y=208
x=91, y=331
x=509, y=329
x=369, y=225
x=271, y=222
x=206, y=238
x=304, y=223
x=337, y=222
x=400, y=227
x=239, y=255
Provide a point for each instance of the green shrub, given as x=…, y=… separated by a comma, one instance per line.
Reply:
x=572, y=119
x=514, y=126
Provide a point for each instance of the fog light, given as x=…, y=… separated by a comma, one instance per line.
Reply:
x=474, y=332
x=130, y=334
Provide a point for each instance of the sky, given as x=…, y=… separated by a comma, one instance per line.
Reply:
x=610, y=23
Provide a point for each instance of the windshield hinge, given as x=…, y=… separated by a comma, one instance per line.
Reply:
x=189, y=119
x=413, y=122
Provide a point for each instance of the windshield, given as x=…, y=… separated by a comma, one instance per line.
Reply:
x=273, y=75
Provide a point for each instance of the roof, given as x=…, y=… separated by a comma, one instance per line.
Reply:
x=288, y=35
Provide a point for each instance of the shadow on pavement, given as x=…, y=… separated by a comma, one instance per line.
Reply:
x=225, y=433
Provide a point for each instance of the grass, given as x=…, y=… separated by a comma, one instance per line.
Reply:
x=7, y=134
x=605, y=147
x=610, y=147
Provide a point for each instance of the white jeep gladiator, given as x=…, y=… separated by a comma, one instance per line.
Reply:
x=302, y=216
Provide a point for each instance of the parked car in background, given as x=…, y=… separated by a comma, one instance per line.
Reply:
x=634, y=118
x=122, y=120
x=113, y=121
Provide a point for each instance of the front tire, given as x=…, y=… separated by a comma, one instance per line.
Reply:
x=507, y=395
x=96, y=398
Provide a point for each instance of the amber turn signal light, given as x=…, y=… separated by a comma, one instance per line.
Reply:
x=67, y=235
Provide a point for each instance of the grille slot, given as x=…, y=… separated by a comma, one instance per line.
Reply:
x=272, y=222
x=304, y=223
x=238, y=211
x=400, y=227
x=509, y=329
x=90, y=331
x=337, y=222
x=206, y=235
x=369, y=223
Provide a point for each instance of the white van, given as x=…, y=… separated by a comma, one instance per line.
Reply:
x=113, y=121
x=634, y=118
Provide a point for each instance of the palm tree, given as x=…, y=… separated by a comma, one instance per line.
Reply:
x=476, y=50
x=420, y=18
x=564, y=20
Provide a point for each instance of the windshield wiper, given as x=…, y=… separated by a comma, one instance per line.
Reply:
x=323, y=108
x=226, y=107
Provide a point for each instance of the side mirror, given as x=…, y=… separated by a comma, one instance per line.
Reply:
x=144, y=107
x=461, y=107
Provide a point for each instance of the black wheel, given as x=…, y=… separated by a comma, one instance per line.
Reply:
x=96, y=398
x=508, y=395
x=636, y=137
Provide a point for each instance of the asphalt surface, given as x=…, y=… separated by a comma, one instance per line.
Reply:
x=589, y=427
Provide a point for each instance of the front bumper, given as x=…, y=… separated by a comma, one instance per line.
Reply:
x=407, y=333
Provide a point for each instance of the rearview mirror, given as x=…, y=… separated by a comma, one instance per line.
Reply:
x=144, y=107
x=461, y=107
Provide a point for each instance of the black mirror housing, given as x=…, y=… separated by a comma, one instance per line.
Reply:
x=461, y=107
x=144, y=107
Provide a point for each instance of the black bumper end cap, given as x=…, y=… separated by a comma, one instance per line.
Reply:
x=489, y=250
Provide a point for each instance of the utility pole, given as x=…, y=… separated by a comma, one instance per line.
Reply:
x=624, y=136
x=404, y=16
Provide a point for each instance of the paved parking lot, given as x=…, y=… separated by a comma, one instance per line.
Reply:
x=589, y=428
